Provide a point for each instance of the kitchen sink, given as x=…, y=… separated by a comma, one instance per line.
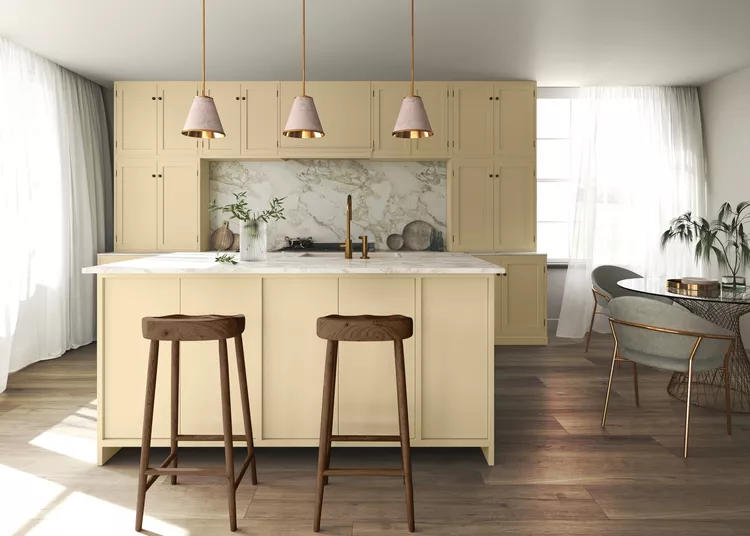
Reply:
x=336, y=254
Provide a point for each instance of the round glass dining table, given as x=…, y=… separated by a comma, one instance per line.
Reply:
x=723, y=308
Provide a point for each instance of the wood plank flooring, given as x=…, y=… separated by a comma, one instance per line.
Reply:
x=557, y=472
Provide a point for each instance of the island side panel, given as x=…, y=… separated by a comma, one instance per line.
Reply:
x=126, y=301
x=367, y=377
x=456, y=359
x=200, y=393
x=294, y=356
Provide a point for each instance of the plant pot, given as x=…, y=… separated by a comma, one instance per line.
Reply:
x=253, y=240
x=736, y=281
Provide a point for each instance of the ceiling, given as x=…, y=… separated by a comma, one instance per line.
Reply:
x=556, y=42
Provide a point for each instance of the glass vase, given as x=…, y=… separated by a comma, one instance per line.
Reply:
x=734, y=281
x=253, y=240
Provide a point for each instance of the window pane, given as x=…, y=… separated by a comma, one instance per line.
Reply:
x=554, y=201
x=554, y=240
x=553, y=159
x=553, y=118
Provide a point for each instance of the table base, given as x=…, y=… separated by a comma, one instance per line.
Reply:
x=708, y=387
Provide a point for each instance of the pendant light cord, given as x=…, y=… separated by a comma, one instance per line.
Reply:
x=304, y=35
x=412, y=48
x=203, y=55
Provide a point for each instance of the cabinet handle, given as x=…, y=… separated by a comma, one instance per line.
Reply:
x=490, y=98
x=497, y=98
x=236, y=98
x=159, y=98
x=153, y=98
x=490, y=175
x=159, y=174
x=153, y=174
x=243, y=98
x=497, y=176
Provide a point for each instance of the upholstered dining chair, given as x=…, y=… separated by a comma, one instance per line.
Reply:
x=658, y=335
x=604, y=286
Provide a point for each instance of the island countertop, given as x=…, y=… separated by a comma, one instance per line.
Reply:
x=304, y=263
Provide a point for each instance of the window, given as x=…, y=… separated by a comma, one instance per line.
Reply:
x=555, y=194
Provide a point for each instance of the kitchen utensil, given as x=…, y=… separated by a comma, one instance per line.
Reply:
x=395, y=242
x=222, y=238
x=417, y=235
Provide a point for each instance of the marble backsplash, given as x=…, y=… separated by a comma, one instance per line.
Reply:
x=385, y=196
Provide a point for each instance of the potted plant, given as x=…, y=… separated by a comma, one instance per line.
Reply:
x=723, y=238
x=253, y=224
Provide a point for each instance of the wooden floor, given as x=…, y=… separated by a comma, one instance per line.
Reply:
x=557, y=472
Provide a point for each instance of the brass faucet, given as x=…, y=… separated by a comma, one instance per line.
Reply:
x=347, y=245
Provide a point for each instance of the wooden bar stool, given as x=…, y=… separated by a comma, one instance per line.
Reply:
x=363, y=328
x=178, y=328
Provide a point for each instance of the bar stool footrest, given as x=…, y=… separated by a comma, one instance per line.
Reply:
x=366, y=438
x=208, y=437
x=365, y=471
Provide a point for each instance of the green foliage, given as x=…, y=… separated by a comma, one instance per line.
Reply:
x=225, y=258
x=723, y=238
x=241, y=211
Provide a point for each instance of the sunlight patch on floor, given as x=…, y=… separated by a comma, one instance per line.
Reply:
x=23, y=496
x=84, y=515
x=74, y=436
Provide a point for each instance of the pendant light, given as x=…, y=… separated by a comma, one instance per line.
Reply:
x=412, y=121
x=203, y=119
x=303, y=119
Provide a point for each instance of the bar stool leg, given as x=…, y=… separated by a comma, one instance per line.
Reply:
x=403, y=426
x=326, y=423
x=175, y=406
x=244, y=394
x=148, y=419
x=329, y=447
x=226, y=415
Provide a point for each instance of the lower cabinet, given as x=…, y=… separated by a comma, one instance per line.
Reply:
x=521, y=299
x=158, y=205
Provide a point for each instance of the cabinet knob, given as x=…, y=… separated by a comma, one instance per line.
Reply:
x=153, y=98
x=490, y=98
x=497, y=98
x=159, y=98
x=497, y=176
x=243, y=98
x=490, y=175
x=159, y=174
x=153, y=174
x=236, y=98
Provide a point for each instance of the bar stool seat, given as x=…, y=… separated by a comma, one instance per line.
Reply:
x=363, y=328
x=184, y=328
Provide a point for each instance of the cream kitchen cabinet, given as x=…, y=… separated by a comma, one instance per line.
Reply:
x=260, y=113
x=149, y=118
x=386, y=103
x=157, y=205
x=521, y=299
x=344, y=110
x=227, y=97
x=494, y=119
x=492, y=205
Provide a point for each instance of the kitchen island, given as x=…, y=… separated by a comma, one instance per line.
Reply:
x=449, y=360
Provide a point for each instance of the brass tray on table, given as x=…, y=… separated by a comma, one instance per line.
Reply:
x=699, y=288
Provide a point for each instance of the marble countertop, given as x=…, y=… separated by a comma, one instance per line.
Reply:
x=304, y=263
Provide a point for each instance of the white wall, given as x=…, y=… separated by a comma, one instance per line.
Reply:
x=725, y=107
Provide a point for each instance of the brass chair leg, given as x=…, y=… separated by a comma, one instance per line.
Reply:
x=591, y=326
x=687, y=407
x=635, y=384
x=609, y=385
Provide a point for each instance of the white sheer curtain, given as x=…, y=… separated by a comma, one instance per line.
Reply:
x=54, y=166
x=638, y=161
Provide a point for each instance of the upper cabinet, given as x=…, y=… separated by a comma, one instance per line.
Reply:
x=227, y=97
x=150, y=116
x=344, y=110
x=386, y=103
x=494, y=119
x=260, y=113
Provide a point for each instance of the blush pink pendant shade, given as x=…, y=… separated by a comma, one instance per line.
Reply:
x=412, y=121
x=303, y=121
x=203, y=118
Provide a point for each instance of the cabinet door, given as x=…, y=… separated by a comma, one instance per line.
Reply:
x=472, y=205
x=136, y=195
x=344, y=111
x=435, y=98
x=200, y=390
x=367, y=378
x=515, y=207
x=524, y=299
x=179, y=194
x=473, y=119
x=226, y=96
x=386, y=104
x=260, y=118
x=136, y=118
x=515, y=123
x=125, y=302
x=293, y=355
x=175, y=99
x=456, y=350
